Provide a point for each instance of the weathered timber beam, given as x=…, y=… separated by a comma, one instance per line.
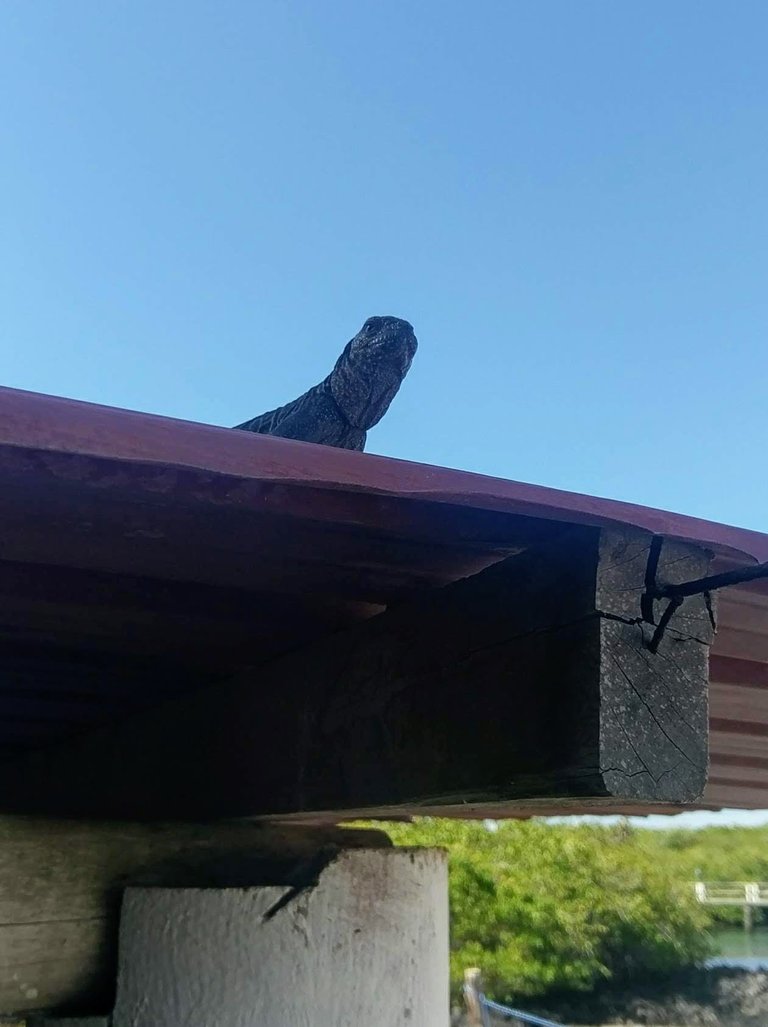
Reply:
x=61, y=884
x=535, y=678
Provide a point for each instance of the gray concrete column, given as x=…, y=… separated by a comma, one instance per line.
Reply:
x=365, y=945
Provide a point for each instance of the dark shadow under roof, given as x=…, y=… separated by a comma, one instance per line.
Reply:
x=144, y=556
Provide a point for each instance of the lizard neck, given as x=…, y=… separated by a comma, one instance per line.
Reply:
x=363, y=390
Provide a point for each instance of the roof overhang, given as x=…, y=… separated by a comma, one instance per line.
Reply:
x=144, y=558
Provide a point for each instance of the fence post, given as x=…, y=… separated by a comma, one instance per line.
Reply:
x=473, y=988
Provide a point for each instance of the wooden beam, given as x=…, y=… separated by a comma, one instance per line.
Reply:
x=61, y=884
x=532, y=679
x=234, y=541
x=199, y=628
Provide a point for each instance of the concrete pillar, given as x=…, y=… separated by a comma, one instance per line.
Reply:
x=366, y=944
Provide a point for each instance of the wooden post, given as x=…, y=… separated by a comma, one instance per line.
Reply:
x=473, y=989
x=366, y=944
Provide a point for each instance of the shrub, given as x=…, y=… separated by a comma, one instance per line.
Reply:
x=544, y=907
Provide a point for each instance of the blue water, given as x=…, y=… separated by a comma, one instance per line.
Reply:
x=736, y=947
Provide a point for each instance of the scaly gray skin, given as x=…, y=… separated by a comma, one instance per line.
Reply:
x=355, y=395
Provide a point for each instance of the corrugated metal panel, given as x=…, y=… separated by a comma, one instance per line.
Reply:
x=739, y=699
x=141, y=556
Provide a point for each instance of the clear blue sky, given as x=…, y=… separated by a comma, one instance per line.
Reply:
x=202, y=201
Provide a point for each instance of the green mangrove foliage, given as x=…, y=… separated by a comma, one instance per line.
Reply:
x=713, y=854
x=542, y=907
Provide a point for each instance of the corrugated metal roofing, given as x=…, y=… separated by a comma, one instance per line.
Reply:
x=142, y=556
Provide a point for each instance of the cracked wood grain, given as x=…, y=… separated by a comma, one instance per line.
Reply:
x=531, y=679
x=654, y=726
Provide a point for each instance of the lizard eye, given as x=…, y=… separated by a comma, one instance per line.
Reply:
x=370, y=327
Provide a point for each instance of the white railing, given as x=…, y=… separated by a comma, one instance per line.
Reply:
x=732, y=893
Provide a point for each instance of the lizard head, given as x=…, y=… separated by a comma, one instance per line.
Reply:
x=371, y=369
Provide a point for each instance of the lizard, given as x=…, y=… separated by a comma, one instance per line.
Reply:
x=355, y=395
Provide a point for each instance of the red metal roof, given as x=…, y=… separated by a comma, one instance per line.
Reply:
x=142, y=556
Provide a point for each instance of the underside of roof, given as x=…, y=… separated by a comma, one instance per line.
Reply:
x=144, y=557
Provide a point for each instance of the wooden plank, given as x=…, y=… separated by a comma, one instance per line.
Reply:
x=51, y=963
x=234, y=541
x=533, y=678
x=61, y=883
x=197, y=626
